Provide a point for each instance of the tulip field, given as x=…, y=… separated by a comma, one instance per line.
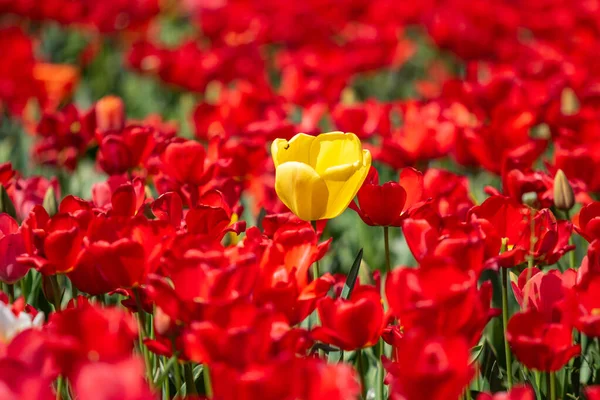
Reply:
x=300, y=200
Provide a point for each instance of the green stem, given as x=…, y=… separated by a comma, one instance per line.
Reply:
x=11, y=293
x=507, y=353
x=56, y=295
x=190, y=385
x=386, y=240
x=207, y=383
x=361, y=372
x=572, y=255
x=315, y=266
x=59, y=387
x=381, y=371
x=552, y=385
x=177, y=373
x=144, y=351
x=24, y=292
x=74, y=294
x=141, y=312
x=166, y=369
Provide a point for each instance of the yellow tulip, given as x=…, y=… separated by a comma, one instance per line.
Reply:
x=318, y=176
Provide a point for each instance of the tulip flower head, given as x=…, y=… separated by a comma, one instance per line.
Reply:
x=318, y=176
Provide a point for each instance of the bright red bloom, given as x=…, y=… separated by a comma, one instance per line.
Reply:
x=88, y=334
x=351, y=324
x=427, y=134
x=545, y=292
x=283, y=279
x=540, y=344
x=520, y=392
x=448, y=192
x=240, y=336
x=588, y=221
x=212, y=217
x=185, y=162
x=502, y=219
x=440, y=297
x=363, y=119
x=435, y=368
x=17, y=84
x=18, y=381
x=12, y=245
x=592, y=392
x=52, y=243
x=123, y=380
x=388, y=204
x=584, y=304
x=429, y=235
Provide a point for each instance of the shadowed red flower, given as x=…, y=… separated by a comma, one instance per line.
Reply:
x=121, y=151
x=520, y=392
x=388, y=204
x=434, y=368
x=351, y=324
x=538, y=343
x=12, y=245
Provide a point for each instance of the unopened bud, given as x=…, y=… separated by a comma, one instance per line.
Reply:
x=563, y=192
x=110, y=114
x=50, y=204
x=162, y=321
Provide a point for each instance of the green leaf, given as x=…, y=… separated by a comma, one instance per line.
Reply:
x=352, y=275
x=6, y=205
x=49, y=203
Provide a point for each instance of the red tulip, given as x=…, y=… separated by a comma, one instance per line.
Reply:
x=520, y=392
x=283, y=279
x=52, y=244
x=588, y=223
x=12, y=245
x=88, y=334
x=390, y=203
x=351, y=324
x=545, y=293
x=435, y=368
x=124, y=150
x=540, y=344
x=440, y=297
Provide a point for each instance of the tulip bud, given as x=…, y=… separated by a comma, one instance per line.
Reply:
x=50, y=204
x=569, y=103
x=110, y=114
x=563, y=192
x=162, y=321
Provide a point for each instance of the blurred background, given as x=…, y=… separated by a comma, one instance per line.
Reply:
x=403, y=76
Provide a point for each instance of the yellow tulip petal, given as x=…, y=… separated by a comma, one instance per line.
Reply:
x=333, y=149
x=302, y=190
x=296, y=149
x=341, y=193
x=340, y=172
